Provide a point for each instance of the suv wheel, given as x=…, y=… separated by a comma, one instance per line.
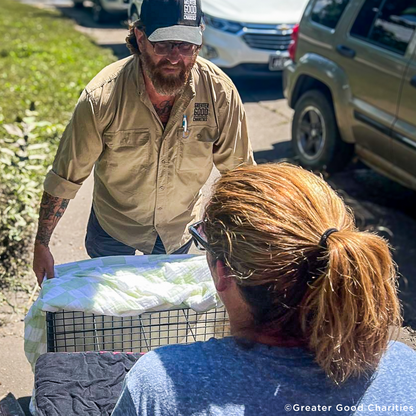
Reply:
x=315, y=136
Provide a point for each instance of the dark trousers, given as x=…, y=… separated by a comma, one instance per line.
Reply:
x=99, y=244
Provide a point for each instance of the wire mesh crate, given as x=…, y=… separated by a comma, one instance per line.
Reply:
x=78, y=331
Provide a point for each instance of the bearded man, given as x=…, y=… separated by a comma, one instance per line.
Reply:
x=152, y=125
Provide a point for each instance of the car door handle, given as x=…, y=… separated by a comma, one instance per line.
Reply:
x=413, y=82
x=346, y=51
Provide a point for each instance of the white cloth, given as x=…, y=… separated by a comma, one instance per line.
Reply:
x=120, y=286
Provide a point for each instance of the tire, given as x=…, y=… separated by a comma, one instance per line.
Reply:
x=99, y=15
x=316, y=140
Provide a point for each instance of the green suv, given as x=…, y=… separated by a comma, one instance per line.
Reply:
x=352, y=84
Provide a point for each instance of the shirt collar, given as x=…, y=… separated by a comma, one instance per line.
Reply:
x=141, y=87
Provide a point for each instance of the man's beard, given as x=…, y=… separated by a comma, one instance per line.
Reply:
x=166, y=84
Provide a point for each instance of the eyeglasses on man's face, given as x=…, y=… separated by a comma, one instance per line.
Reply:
x=166, y=48
x=200, y=239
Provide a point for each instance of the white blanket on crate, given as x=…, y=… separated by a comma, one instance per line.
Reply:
x=120, y=286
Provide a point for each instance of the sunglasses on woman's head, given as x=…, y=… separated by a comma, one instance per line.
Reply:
x=200, y=239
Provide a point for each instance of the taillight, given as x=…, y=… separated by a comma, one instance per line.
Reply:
x=294, y=43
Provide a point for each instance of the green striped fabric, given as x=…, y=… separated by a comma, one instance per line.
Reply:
x=120, y=286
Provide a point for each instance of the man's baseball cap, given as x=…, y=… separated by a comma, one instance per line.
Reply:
x=172, y=20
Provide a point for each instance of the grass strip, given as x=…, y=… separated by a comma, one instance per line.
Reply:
x=44, y=62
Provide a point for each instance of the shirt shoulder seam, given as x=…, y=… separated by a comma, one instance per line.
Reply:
x=107, y=80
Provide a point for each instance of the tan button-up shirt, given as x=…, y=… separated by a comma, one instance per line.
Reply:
x=148, y=178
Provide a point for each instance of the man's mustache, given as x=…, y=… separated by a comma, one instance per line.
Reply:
x=167, y=65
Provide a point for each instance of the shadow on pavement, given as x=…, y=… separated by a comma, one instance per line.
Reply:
x=259, y=89
x=281, y=151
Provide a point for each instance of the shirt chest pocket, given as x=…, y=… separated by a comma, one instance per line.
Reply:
x=195, y=150
x=129, y=150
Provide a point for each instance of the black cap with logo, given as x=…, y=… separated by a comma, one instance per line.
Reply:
x=172, y=20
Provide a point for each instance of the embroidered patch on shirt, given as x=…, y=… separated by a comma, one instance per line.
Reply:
x=189, y=10
x=201, y=112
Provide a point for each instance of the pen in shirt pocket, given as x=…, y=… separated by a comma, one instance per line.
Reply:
x=185, y=126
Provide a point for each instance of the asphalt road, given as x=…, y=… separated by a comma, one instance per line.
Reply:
x=379, y=204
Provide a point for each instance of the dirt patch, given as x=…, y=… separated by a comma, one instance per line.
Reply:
x=15, y=304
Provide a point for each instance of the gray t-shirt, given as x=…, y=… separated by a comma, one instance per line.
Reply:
x=223, y=377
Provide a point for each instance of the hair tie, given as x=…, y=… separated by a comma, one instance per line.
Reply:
x=325, y=236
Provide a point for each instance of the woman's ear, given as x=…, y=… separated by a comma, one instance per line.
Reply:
x=223, y=280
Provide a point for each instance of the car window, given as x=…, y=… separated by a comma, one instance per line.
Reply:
x=328, y=12
x=387, y=23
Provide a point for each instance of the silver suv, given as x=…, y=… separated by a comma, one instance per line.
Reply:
x=352, y=84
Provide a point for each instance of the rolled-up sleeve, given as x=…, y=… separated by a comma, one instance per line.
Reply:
x=80, y=146
x=233, y=148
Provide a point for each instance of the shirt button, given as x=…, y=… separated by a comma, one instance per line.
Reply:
x=163, y=160
x=160, y=208
x=161, y=188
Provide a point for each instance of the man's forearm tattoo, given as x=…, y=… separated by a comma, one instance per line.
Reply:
x=51, y=211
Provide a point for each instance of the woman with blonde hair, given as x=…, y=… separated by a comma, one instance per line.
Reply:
x=312, y=302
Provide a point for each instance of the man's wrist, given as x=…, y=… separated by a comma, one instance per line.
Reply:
x=40, y=242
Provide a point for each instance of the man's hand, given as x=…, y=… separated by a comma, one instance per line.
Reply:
x=51, y=210
x=43, y=263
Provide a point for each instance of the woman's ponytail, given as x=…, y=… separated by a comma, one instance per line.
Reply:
x=307, y=274
x=351, y=306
